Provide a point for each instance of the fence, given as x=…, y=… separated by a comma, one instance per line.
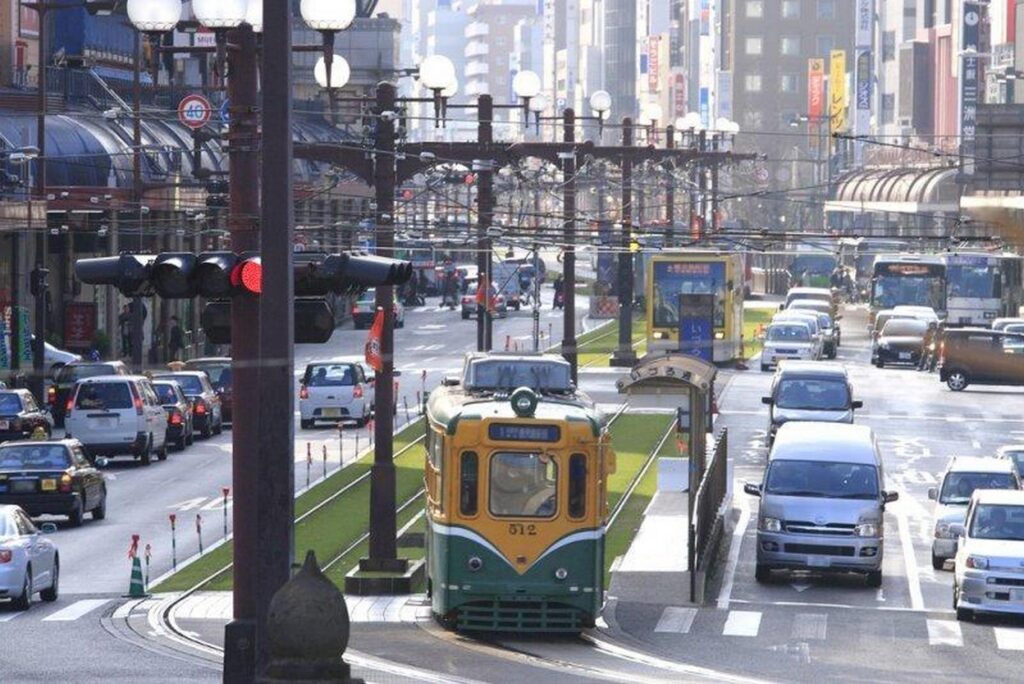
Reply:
x=706, y=512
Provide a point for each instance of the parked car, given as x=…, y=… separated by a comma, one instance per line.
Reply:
x=990, y=555
x=54, y=359
x=963, y=475
x=900, y=341
x=365, y=309
x=219, y=370
x=31, y=561
x=179, y=412
x=1002, y=323
x=980, y=356
x=20, y=415
x=52, y=477
x=809, y=392
x=787, y=340
x=812, y=321
x=207, y=418
x=1015, y=453
x=335, y=391
x=822, y=294
x=469, y=303
x=64, y=383
x=827, y=319
x=113, y=415
x=883, y=317
x=821, y=502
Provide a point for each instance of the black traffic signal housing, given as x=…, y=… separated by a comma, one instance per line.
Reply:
x=129, y=273
x=175, y=275
x=314, y=321
x=318, y=274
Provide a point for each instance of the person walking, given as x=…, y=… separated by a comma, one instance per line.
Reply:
x=175, y=340
x=927, y=346
x=124, y=327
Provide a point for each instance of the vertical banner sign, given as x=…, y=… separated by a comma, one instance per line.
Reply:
x=815, y=97
x=678, y=96
x=696, y=325
x=969, y=83
x=654, y=64
x=373, y=353
x=837, y=91
x=725, y=94
x=706, y=48
x=863, y=37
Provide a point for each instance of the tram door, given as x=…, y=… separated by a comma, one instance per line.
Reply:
x=696, y=325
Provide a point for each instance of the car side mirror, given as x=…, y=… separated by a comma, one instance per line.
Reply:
x=752, y=489
x=889, y=497
x=856, y=403
x=102, y=461
x=451, y=381
x=957, y=530
x=48, y=528
x=767, y=401
x=933, y=493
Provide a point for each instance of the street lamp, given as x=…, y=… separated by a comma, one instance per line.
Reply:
x=154, y=16
x=437, y=74
x=600, y=103
x=328, y=17
x=340, y=72
x=254, y=15
x=526, y=85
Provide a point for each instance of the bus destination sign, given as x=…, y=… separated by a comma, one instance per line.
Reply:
x=510, y=432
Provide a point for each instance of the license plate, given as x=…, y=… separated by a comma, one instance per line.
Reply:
x=48, y=485
x=331, y=412
x=817, y=562
x=1017, y=595
x=102, y=422
x=23, y=486
x=904, y=356
x=5, y=424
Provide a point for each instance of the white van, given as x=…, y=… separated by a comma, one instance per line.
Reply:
x=114, y=415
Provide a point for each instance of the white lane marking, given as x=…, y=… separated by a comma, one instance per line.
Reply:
x=808, y=626
x=734, y=556
x=910, y=562
x=1009, y=638
x=7, y=617
x=745, y=623
x=676, y=620
x=944, y=633
x=75, y=610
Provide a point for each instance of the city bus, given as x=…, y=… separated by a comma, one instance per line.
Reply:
x=908, y=280
x=981, y=287
x=670, y=274
x=857, y=256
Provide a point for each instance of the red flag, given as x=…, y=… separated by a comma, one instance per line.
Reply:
x=481, y=291
x=373, y=355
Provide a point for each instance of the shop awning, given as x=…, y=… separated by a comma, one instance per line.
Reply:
x=896, y=190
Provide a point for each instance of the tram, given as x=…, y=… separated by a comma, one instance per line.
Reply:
x=516, y=479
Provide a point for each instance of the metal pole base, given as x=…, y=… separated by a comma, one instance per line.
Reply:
x=397, y=565
x=239, y=652
x=297, y=670
x=623, y=359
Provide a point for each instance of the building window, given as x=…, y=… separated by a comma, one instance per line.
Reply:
x=755, y=9
x=823, y=45
x=888, y=108
x=789, y=83
x=790, y=9
x=468, y=484
x=577, y=486
x=753, y=45
x=888, y=46
x=752, y=83
x=790, y=45
x=826, y=9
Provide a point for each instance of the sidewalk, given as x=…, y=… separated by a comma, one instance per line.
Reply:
x=654, y=569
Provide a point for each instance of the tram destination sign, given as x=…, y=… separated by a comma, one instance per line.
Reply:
x=511, y=432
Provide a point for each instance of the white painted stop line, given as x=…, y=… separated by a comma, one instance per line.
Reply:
x=745, y=623
x=1010, y=638
x=944, y=633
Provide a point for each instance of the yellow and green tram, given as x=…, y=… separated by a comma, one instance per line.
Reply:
x=517, y=505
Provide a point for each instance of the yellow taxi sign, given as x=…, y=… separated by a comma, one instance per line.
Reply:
x=39, y=433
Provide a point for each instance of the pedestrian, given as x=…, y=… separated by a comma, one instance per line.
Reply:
x=175, y=340
x=124, y=327
x=927, y=345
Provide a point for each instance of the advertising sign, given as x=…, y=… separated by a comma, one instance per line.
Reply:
x=815, y=97
x=837, y=91
x=696, y=326
x=654, y=64
x=79, y=325
x=725, y=94
x=969, y=82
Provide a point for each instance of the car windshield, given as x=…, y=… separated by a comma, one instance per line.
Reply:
x=1014, y=328
x=523, y=485
x=330, y=375
x=992, y=521
x=8, y=528
x=190, y=384
x=958, y=487
x=825, y=321
x=1018, y=458
x=822, y=479
x=104, y=396
x=73, y=373
x=904, y=327
x=34, y=456
x=812, y=394
x=538, y=374
x=165, y=392
x=788, y=333
x=10, y=403
x=810, y=321
x=367, y=298
x=216, y=371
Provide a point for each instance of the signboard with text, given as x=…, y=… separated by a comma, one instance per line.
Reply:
x=815, y=97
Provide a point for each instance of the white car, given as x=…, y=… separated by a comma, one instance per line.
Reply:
x=29, y=562
x=113, y=415
x=54, y=359
x=336, y=390
x=812, y=321
x=789, y=339
x=990, y=555
x=924, y=313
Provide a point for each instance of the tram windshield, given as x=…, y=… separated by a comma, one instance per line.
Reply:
x=523, y=484
x=550, y=375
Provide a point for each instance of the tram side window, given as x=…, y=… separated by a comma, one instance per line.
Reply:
x=468, y=484
x=523, y=485
x=577, y=486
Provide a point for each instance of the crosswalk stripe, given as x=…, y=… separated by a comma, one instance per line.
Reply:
x=1009, y=638
x=75, y=610
x=676, y=620
x=944, y=633
x=744, y=623
x=810, y=626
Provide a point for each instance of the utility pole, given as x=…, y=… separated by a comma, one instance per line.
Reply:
x=569, y=233
x=715, y=140
x=670, y=190
x=485, y=214
x=138, y=317
x=41, y=272
x=624, y=354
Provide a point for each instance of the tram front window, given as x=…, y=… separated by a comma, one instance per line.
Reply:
x=523, y=485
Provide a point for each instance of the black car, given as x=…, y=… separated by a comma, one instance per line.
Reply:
x=64, y=384
x=900, y=341
x=207, y=418
x=219, y=370
x=179, y=412
x=52, y=477
x=20, y=415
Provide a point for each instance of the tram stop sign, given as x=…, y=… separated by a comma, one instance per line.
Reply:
x=194, y=111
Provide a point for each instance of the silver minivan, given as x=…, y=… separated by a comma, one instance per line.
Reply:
x=804, y=391
x=821, y=502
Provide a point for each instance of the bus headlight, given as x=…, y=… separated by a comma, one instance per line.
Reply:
x=660, y=335
x=720, y=335
x=561, y=573
x=475, y=563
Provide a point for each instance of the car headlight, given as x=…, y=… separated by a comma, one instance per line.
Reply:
x=866, y=530
x=771, y=524
x=942, y=531
x=977, y=562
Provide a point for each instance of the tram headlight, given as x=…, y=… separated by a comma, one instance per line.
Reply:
x=475, y=563
x=561, y=573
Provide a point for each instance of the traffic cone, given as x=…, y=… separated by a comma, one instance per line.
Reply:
x=137, y=588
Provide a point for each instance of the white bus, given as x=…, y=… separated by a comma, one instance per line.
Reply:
x=981, y=287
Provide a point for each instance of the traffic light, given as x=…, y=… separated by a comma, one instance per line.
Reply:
x=314, y=321
x=175, y=275
x=129, y=273
x=318, y=274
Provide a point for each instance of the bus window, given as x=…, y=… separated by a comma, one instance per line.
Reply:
x=523, y=485
x=468, y=484
x=577, y=486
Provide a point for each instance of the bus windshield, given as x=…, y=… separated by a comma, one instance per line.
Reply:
x=977, y=281
x=920, y=290
x=672, y=279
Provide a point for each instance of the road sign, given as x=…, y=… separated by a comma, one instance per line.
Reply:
x=225, y=111
x=194, y=111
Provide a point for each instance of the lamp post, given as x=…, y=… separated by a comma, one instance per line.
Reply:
x=624, y=354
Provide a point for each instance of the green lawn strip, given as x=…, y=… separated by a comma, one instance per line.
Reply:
x=633, y=438
x=596, y=351
x=752, y=318
x=190, y=575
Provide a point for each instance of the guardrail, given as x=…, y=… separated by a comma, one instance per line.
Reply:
x=706, y=515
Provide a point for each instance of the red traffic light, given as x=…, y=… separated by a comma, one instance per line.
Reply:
x=248, y=274
x=469, y=179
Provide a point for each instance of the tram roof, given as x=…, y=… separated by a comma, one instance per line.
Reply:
x=449, y=405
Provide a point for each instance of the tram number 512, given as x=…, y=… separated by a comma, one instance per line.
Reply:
x=522, y=529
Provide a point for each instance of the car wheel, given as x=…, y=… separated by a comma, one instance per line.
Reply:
x=880, y=363
x=465, y=316
x=50, y=593
x=964, y=614
x=147, y=452
x=162, y=453
x=957, y=380
x=207, y=431
x=100, y=512
x=762, y=573
x=874, y=579
x=938, y=563
x=25, y=600
x=305, y=424
x=765, y=367
x=181, y=443
x=76, y=514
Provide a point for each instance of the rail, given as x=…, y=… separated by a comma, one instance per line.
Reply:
x=706, y=512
